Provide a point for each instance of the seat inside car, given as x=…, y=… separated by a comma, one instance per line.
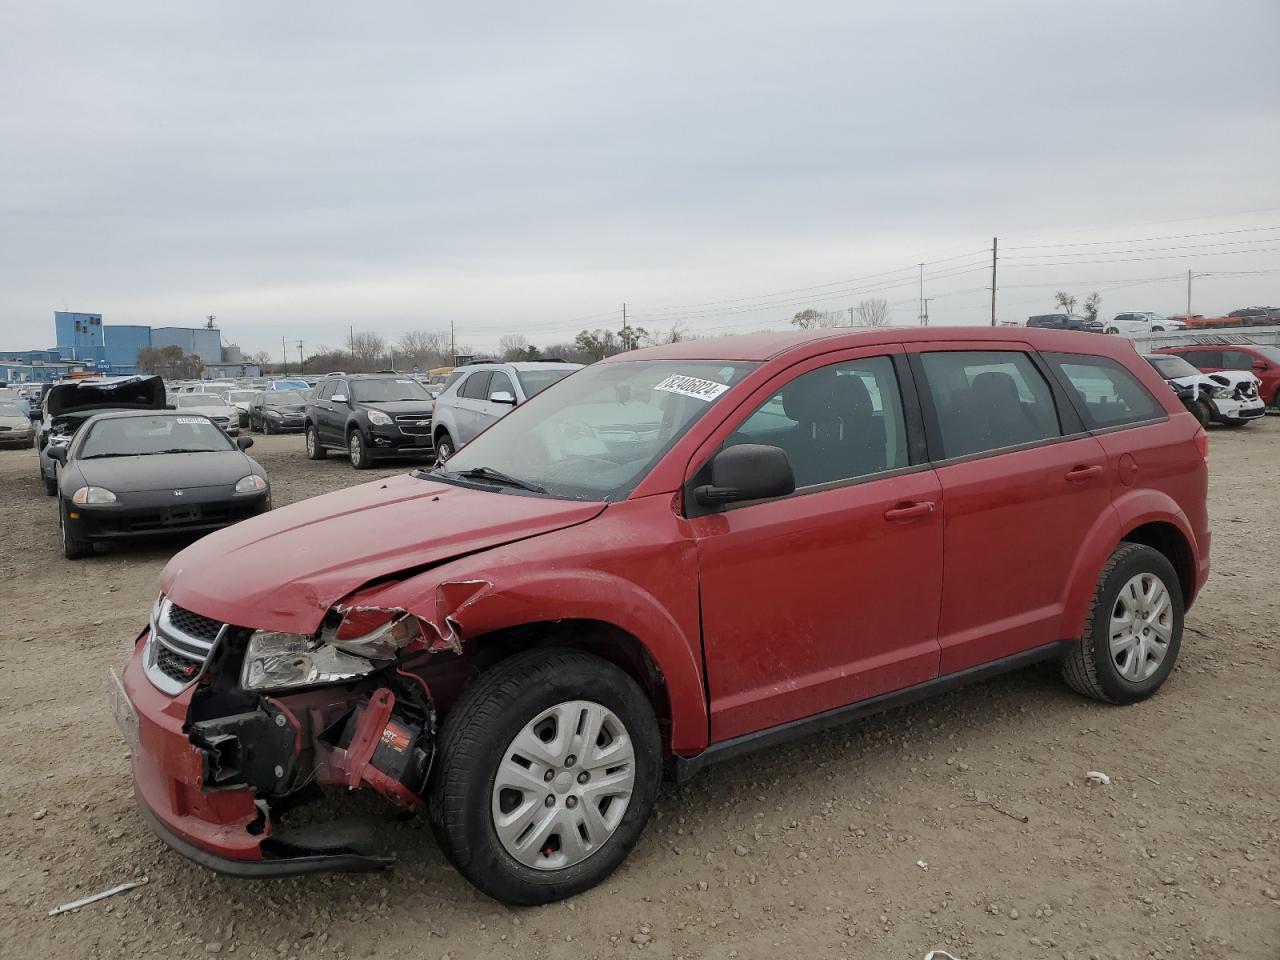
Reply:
x=837, y=433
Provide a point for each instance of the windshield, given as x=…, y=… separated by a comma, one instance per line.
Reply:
x=535, y=381
x=596, y=435
x=1172, y=367
x=143, y=436
x=201, y=400
x=288, y=385
x=240, y=396
x=10, y=410
x=388, y=391
x=283, y=398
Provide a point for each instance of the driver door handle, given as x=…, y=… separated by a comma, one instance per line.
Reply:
x=1078, y=474
x=909, y=511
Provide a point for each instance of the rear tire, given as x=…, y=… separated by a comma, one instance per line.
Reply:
x=485, y=733
x=1124, y=656
x=314, y=450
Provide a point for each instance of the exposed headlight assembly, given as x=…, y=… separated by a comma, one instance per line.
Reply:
x=251, y=484
x=378, y=418
x=277, y=661
x=1220, y=393
x=91, y=495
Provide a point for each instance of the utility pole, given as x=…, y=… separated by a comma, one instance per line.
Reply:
x=302, y=364
x=453, y=343
x=927, y=301
x=351, y=343
x=1188, y=317
x=622, y=334
x=851, y=316
x=994, y=246
x=921, y=316
x=284, y=355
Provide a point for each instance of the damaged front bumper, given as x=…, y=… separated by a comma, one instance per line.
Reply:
x=215, y=768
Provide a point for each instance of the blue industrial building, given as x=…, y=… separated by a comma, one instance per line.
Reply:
x=84, y=342
x=80, y=335
x=203, y=342
x=122, y=346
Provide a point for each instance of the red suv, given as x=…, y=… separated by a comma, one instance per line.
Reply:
x=1262, y=362
x=667, y=559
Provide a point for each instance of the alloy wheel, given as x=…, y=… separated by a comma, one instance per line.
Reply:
x=355, y=447
x=563, y=785
x=1141, y=627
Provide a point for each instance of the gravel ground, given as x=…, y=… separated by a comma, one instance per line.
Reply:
x=963, y=823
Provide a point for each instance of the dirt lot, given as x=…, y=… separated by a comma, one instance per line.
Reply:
x=814, y=850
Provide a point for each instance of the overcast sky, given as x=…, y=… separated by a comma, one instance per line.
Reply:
x=295, y=168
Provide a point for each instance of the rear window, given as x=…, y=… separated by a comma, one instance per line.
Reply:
x=1108, y=394
x=987, y=400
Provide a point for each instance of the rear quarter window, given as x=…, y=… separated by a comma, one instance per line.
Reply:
x=1106, y=394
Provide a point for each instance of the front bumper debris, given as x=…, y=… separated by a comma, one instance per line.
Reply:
x=213, y=784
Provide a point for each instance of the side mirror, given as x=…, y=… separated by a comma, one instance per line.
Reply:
x=244, y=443
x=748, y=471
x=1261, y=365
x=503, y=396
x=339, y=398
x=58, y=452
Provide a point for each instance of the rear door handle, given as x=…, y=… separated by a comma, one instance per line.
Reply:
x=1084, y=473
x=909, y=511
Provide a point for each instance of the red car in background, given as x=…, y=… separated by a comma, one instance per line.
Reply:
x=674, y=556
x=1262, y=362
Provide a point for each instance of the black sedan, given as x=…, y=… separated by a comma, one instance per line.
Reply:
x=138, y=474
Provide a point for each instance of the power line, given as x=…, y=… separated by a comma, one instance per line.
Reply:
x=1180, y=236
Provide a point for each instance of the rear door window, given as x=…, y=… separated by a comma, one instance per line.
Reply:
x=988, y=400
x=476, y=386
x=1107, y=394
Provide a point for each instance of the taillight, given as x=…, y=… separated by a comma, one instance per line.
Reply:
x=1202, y=443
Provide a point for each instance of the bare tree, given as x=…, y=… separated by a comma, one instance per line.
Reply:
x=1091, y=304
x=425, y=348
x=816, y=319
x=1065, y=300
x=513, y=346
x=367, y=348
x=872, y=313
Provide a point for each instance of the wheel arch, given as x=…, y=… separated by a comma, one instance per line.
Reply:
x=1147, y=517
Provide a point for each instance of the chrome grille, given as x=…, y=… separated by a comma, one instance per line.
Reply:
x=179, y=646
x=414, y=424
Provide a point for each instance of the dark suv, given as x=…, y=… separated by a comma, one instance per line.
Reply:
x=367, y=415
x=1064, y=321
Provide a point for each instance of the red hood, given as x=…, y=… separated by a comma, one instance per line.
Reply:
x=282, y=570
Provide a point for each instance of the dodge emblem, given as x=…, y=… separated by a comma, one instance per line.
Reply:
x=177, y=493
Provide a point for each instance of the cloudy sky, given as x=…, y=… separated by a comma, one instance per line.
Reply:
x=296, y=168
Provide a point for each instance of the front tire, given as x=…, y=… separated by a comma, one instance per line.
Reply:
x=72, y=548
x=1133, y=631
x=266, y=426
x=314, y=450
x=547, y=772
x=444, y=446
x=50, y=486
x=358, y=451
x=1202, y=412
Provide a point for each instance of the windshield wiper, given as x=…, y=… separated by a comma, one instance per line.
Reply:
x=497, y=476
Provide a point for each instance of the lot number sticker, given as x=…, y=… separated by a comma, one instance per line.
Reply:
x=706, y=390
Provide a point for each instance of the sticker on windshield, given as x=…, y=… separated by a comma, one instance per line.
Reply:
x=191, y=419
x=706, y=390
